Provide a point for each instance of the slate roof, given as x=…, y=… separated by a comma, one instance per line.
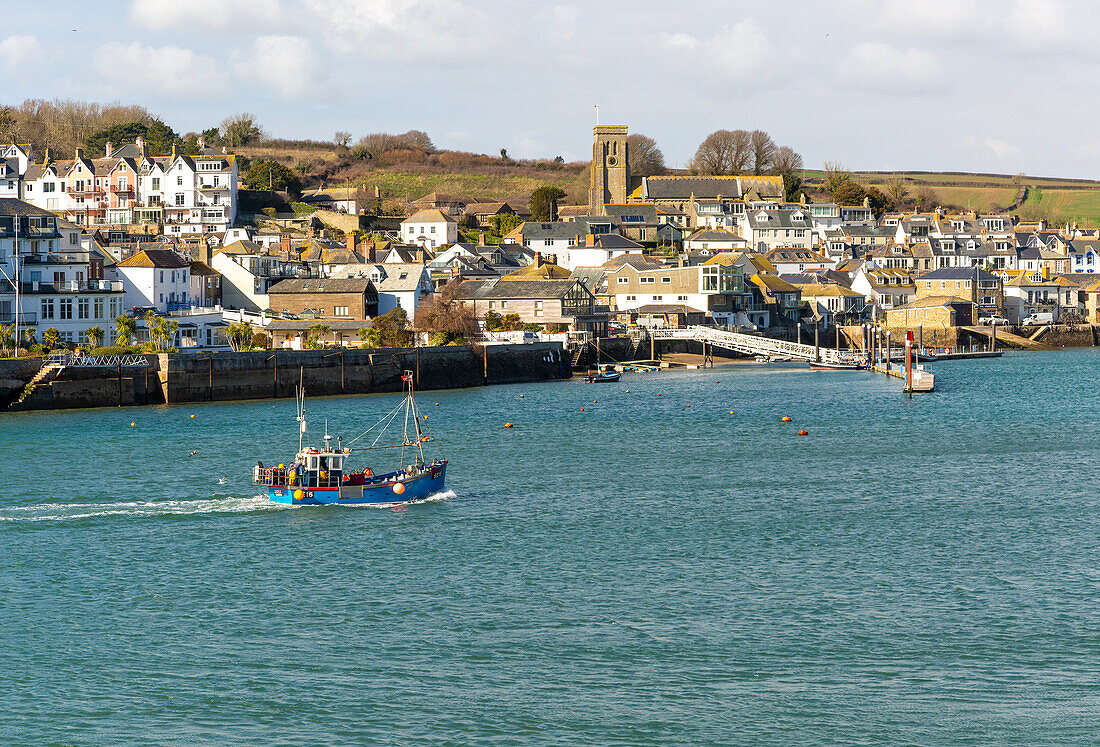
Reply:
x=400, y=277
x=958, y=273
x=12, y=206
x=778, y=219
x=429, y=215
x=494, y=289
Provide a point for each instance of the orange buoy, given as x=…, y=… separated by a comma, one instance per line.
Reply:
x=689, y=405
x=593, y=401
x=192, y=417
x=507, y=425
x=298, y=494
x=786, y=418
x=399, y=488
x=437, y=404
x=132, y=424
x=731, y=412
x=658, y=394
x=582, y=409
x=803, y=433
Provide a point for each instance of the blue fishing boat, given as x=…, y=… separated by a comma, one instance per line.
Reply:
x=322, y=476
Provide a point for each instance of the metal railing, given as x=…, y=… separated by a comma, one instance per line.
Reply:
x=97, y=361
x=749, y=344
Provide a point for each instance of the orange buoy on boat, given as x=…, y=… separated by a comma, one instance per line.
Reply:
x=803, y=433
x=507, y=425
x=298, y=494
x=399, y=488
x=786, y=418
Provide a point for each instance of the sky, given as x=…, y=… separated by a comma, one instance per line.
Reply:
x=1003, y=86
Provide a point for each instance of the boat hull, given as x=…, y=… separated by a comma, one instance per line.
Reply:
x=821, y=366
x=416, y=489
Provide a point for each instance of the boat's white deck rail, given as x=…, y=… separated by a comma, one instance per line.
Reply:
x=749, y=344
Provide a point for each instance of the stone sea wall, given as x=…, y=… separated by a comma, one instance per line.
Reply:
x=223, y=376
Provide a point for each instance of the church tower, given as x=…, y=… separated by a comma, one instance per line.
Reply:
x=610, y=174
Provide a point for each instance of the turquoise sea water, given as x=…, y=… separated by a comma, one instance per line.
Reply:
x=642, y=572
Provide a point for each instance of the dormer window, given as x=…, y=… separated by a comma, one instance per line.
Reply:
x=762, y=215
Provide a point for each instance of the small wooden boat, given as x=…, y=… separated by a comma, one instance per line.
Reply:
x=602, y=378
x=840, y=366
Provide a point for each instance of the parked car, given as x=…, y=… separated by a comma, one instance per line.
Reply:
x=616, y=328
x=1039, y=317
x=993, y=319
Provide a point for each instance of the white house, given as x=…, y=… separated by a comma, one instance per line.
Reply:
x=399, y=285
x=431, y=229
x=158, y=278
x=790, y=260
x=595, y=250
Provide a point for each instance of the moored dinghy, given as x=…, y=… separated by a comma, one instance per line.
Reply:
x=322, y=476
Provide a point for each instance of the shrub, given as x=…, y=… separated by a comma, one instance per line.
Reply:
x=260, y=341
x=268, y=211
x=300, y=208
x=115, y=350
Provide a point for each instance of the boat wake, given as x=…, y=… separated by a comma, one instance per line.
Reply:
x=443, y=495
x=74, y=511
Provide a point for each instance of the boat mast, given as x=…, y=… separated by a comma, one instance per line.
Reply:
x=301, y=401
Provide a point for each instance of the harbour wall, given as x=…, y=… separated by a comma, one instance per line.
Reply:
x=224, y=376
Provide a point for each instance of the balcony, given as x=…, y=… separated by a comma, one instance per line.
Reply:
x=214, y=187
x=25, y=317
x=88, y=189
x=71, y=286
x=125, y=191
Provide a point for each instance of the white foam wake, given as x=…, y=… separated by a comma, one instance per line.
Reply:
x=73, y=511
x=443, y=495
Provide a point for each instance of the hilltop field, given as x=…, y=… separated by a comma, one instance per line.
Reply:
x=406, y=176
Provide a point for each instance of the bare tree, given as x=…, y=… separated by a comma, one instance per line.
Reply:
x=644, y=158
x=763, y=151
x=416, y=140
x=374, y=145
x=786, y=161
x=723, y=152
x=341, y=138
x=241, y=129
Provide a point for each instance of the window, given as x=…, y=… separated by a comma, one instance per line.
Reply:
x=97, y=309
x=647, y=280
x=681, y=298
x=156, y=183
x=66, y=308
x=47, y=308
x=666, y=280
x=340, y=311
x=503, y=304
x=82, y=308
x=162, y=276
x=179, y=181
x=492, y=304
x=538, y=308
x=179, y=199
x=623, y=281
x=658, y=298
x=631, y=298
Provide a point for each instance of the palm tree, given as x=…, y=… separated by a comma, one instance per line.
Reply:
x=95, y=336
x=315, y=335
x=125, y=329
x=51, y=337
x=240, y=336
x=7, y=337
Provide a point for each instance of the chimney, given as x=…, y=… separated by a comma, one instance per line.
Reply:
x=79, y=154
x=866, y=202
x=538, y=259
x=108, y=148
x=353, y=241
x=589, y=239
x=140, y=143
x=173, y=150
x=481, y=239
x=420, y=256
x=47, y=155
x=202, y=144
x=284, y=244
x=377, y=193
x=802, y=199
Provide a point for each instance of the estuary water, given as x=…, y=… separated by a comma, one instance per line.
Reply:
x=650, y=570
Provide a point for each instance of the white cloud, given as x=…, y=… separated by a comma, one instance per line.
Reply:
x=936, y=18
x=1039, y=23
x=741, y=51
x=18, y=51
x=408, y=30
x=286, y=64
x=878, y=67
x=1004, y=151
x=153, y=71
x=215, y=15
